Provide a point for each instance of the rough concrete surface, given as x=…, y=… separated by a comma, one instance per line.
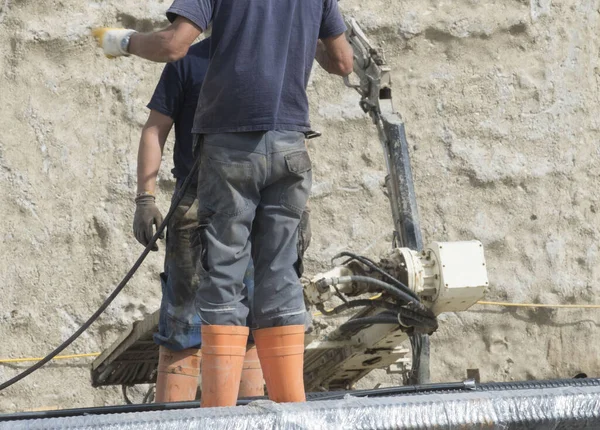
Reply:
x=500, y=100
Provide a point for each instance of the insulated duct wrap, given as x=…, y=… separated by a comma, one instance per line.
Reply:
x=571, y=407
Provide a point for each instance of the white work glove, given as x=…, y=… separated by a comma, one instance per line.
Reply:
x=114, y=41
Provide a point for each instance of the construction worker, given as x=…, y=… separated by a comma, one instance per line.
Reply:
x=255, y=172
x=174, y=104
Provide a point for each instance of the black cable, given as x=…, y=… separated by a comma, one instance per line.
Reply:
x=372, y=265
x=416, y=347
x=357, y=304
x=383, y=318
x=125, y=396
x=421, y=320
x=117, y=290
x=401, y=295
x=407, y=316
x=340, y=295
x=149, y=396
x=394, y=317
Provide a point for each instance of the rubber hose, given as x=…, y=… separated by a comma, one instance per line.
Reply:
x=384, y=318
x=367, y=262
x=357, y=304
x=381, y=284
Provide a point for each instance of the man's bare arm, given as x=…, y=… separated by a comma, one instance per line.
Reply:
x=154, y=136
x=335, y=55
x=166, y=45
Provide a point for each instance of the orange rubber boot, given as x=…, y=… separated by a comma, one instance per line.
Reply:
x=252, y=383
x=281, y=353
x=177, y=377
x=223, y=352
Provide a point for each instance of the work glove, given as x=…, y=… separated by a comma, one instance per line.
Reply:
x=114, y=41
x=147, y=215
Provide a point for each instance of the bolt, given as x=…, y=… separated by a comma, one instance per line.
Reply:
x=322, y=286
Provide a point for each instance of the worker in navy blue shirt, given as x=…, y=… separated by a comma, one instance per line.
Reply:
x=173, y=104
x=254, y=169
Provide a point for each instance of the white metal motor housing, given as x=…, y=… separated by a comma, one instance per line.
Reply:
x=453, y=275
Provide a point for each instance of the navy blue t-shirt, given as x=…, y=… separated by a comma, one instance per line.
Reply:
x=261, y=55
x=176, y=96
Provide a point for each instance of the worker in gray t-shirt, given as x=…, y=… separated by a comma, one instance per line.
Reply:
x=255, y=172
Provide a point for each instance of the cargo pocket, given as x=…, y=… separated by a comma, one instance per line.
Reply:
x=297, y=189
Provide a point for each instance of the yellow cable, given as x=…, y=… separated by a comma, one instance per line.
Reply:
x=58, y=357
x=316, y=314
x=536, y=305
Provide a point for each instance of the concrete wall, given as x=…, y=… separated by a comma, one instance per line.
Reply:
x=500, y=102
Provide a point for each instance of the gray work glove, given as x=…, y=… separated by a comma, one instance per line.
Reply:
x=147, y=215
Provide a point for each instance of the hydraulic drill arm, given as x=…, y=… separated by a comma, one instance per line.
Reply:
x=375, y=89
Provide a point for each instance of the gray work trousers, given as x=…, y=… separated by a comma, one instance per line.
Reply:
x=254, y=189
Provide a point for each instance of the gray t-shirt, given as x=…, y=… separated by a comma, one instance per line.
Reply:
x=261, y=55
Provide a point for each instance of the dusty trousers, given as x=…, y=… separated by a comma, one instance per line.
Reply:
x=255, y=186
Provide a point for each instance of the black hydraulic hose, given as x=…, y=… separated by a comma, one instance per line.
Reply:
x=422, y=320
x=367, y=262
x=384, y=318
x=117, y=290
x=404, y=317
x=401, y=295
x=425, y=318
x=357, y=304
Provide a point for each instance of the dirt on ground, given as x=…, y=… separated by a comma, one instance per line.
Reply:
x=500, y=100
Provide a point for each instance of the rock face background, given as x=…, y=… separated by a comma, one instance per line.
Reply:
x=500, y=100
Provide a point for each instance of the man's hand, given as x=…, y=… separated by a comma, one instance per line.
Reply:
x=147, y=215
x=114, y=41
